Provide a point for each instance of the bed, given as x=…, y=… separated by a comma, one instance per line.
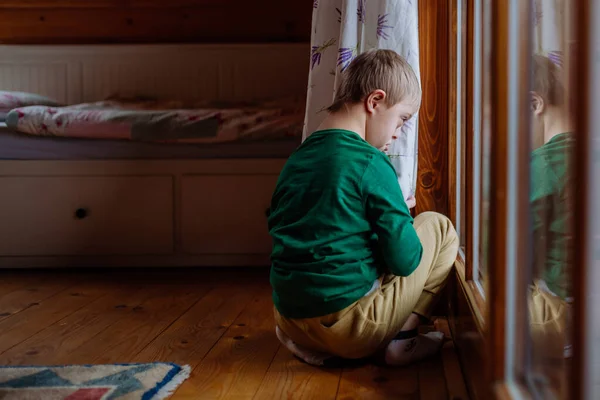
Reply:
x=120, y=201
x=16, y=146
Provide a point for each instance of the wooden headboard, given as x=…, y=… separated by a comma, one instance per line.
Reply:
x=85, y=73
x=154, y=21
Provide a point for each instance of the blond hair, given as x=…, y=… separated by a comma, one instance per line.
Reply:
x=548, y=80
x=377, y=69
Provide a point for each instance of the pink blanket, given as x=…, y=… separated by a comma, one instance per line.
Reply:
x=153, y=121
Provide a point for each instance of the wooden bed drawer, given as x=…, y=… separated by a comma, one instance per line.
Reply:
x=45, y=216
x=226, y=214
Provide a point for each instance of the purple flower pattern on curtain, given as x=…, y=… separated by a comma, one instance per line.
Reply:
x=345, y=57
x=556, y=57
x=382, y=27
x=361, y=11
x=317, y=52
x=341, y=30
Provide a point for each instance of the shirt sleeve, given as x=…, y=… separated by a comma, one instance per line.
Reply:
x=541, y=192
x=542, y=188
x=387, y=212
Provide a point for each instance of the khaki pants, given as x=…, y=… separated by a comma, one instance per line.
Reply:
x=370, y=323
x=548, y=320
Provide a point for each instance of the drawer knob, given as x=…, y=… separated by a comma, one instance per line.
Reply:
x=81, y=213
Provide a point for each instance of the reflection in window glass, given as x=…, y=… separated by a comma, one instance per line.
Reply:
x=481, y=140
x=592, y=297
x=462, y=191
x=478, y=265
x=461, y=139
x=551, y=196
x=486, y=115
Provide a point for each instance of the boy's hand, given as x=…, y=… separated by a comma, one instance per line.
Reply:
x=411, y=202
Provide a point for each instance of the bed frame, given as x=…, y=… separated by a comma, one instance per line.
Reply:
x=208, y=212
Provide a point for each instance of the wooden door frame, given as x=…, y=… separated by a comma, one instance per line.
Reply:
x=433, y=188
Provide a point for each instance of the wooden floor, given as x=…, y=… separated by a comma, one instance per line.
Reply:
x=219, y=322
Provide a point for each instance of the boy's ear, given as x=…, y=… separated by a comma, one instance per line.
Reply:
x=538, y=106
x=375, y=100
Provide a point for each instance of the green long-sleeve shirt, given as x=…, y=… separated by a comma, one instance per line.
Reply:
x=337, y=219
x=552, y=212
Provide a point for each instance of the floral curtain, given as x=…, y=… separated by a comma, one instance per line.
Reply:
x=342, y=29
x=550, y=34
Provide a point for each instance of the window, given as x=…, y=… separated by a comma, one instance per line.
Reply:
x=469, y=157
x=588, y=319
x=551, y=192
x=527, y=144
x=536, y=239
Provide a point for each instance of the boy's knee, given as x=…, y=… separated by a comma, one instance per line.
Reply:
x=441, y=229
x=434, y=218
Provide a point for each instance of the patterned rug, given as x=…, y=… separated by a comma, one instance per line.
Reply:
x=153, y=381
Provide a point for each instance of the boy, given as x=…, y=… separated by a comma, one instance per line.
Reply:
x=351, y=274
x=553, y=144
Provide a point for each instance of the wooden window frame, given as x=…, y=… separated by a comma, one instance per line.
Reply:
x=462, y=127
x=467, y=306
x=501, y=317
x=507, y=327
x=505, y=346
x=507, y=334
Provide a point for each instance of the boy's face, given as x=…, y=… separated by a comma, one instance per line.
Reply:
x=383, y=121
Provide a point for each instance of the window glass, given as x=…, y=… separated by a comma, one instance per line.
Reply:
x=592, y=296
x=551, y=200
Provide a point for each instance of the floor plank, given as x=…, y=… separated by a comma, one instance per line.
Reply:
x=219, y=322
x=11, y=281
x=54, y=344
x=20, y=327
x=191, y=337
x=432, y=383
x=236, y=365
x=455, y=384
x=31, y=295
x=124, y=339
x=374, y=383
x=287, y=378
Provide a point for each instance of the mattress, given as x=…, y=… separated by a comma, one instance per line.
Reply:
x=163, y=121
x=16, y=146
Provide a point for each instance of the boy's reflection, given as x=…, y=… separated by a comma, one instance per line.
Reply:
x=550, y=196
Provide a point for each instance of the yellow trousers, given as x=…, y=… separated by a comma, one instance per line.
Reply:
x=371, y=322
x=549, y=321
